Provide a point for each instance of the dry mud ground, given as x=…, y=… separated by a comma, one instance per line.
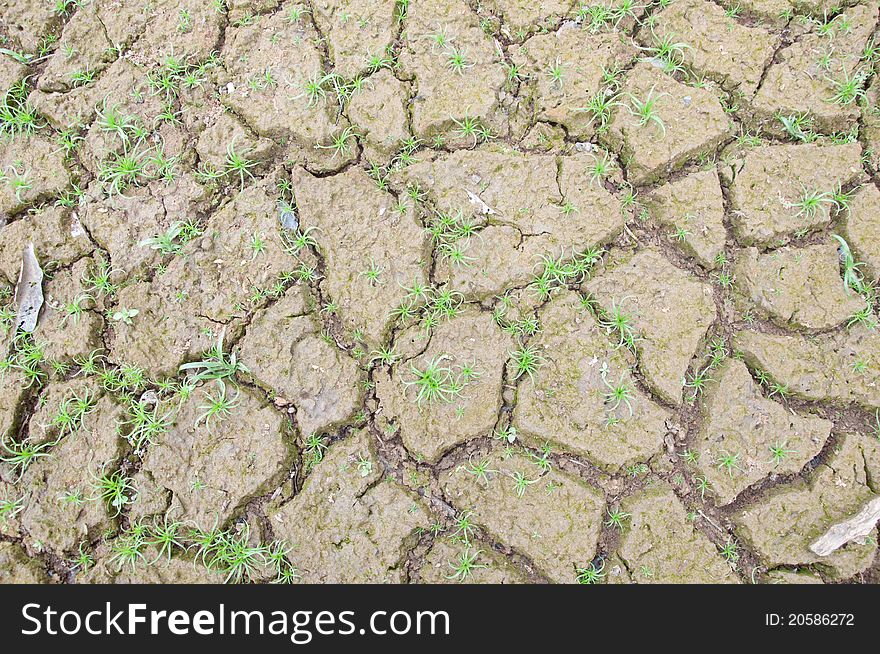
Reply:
x=427, y=291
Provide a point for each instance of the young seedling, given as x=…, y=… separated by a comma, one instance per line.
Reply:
x=17, y=116
x=730, y=550
x=591, y=574
x=480, y=470
x=646, y=110
x=313, y=454
x=798, y=126
x=555, y=73
x=600, y=168
x=702, y=485
x=71, y=412
x=668, y=52
x=521, y=482
x=373, y=273
x=617, y=394
x=218, y=406
x=778, y=452
x=852, y=276
x=698, y=382
x=165, y=537
x=99, y=279
x=146, y=424
x=810, y=202
x=127, y=548
x=9, y=508
x=616, y=519
x=848, y=88
x=433, y=383
x=526, y=361
x=728, y=462
x=467, y=128
x=124, y=169
x=114, y=488
x=464, y=527
x=340, y=143
x=457, y=61
x=124, y=315
x=233, y=555
x=75, y=309
x=21, y=455
x=464, y=566
x=621, y=324
x=83, y=561
x=217, y=365
x=237, y=164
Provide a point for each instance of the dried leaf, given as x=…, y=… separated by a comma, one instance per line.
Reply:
x=854, y=528
x=28, y=291
x=477, y=201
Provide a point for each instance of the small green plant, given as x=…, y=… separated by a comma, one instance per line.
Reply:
x=810, y=202
x=75, y=309
x=702, y=485
x=68, y=419
x=340, y=143
x=434, y=382
x=668, y=52
x=217, y=364
x=590, y=574
x=218, y=406
x=468, y=127
x=165, y=537
x=798, y=127
x=698, y=382
x=20, y=456
x=124, y=315
x=480, y=470
x=616, y=519
x=852, y=275
x=237, y=164
x=373, y=273
x=464, y=566
x=172, y=240
x=729, y=462
x=620, y=324
x=526, y=360
x=457, y=61
x=313, y=452
x=115, y=489
x=617, y=394
x=778, y=452
x=9, y=508
x=98, y=279
x=146, y=424
x=600, y=168
x=299, y=240
x=556, y=72
x=646, y=110
x=730, y=550
x=521, y=483
x=127, y=548
x=464, y=527
x=83, y=561
x=233, y=555
x=848, y=88
x=124, y=169
x=17, y=116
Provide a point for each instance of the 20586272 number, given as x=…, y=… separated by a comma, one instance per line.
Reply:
x=821, y=619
